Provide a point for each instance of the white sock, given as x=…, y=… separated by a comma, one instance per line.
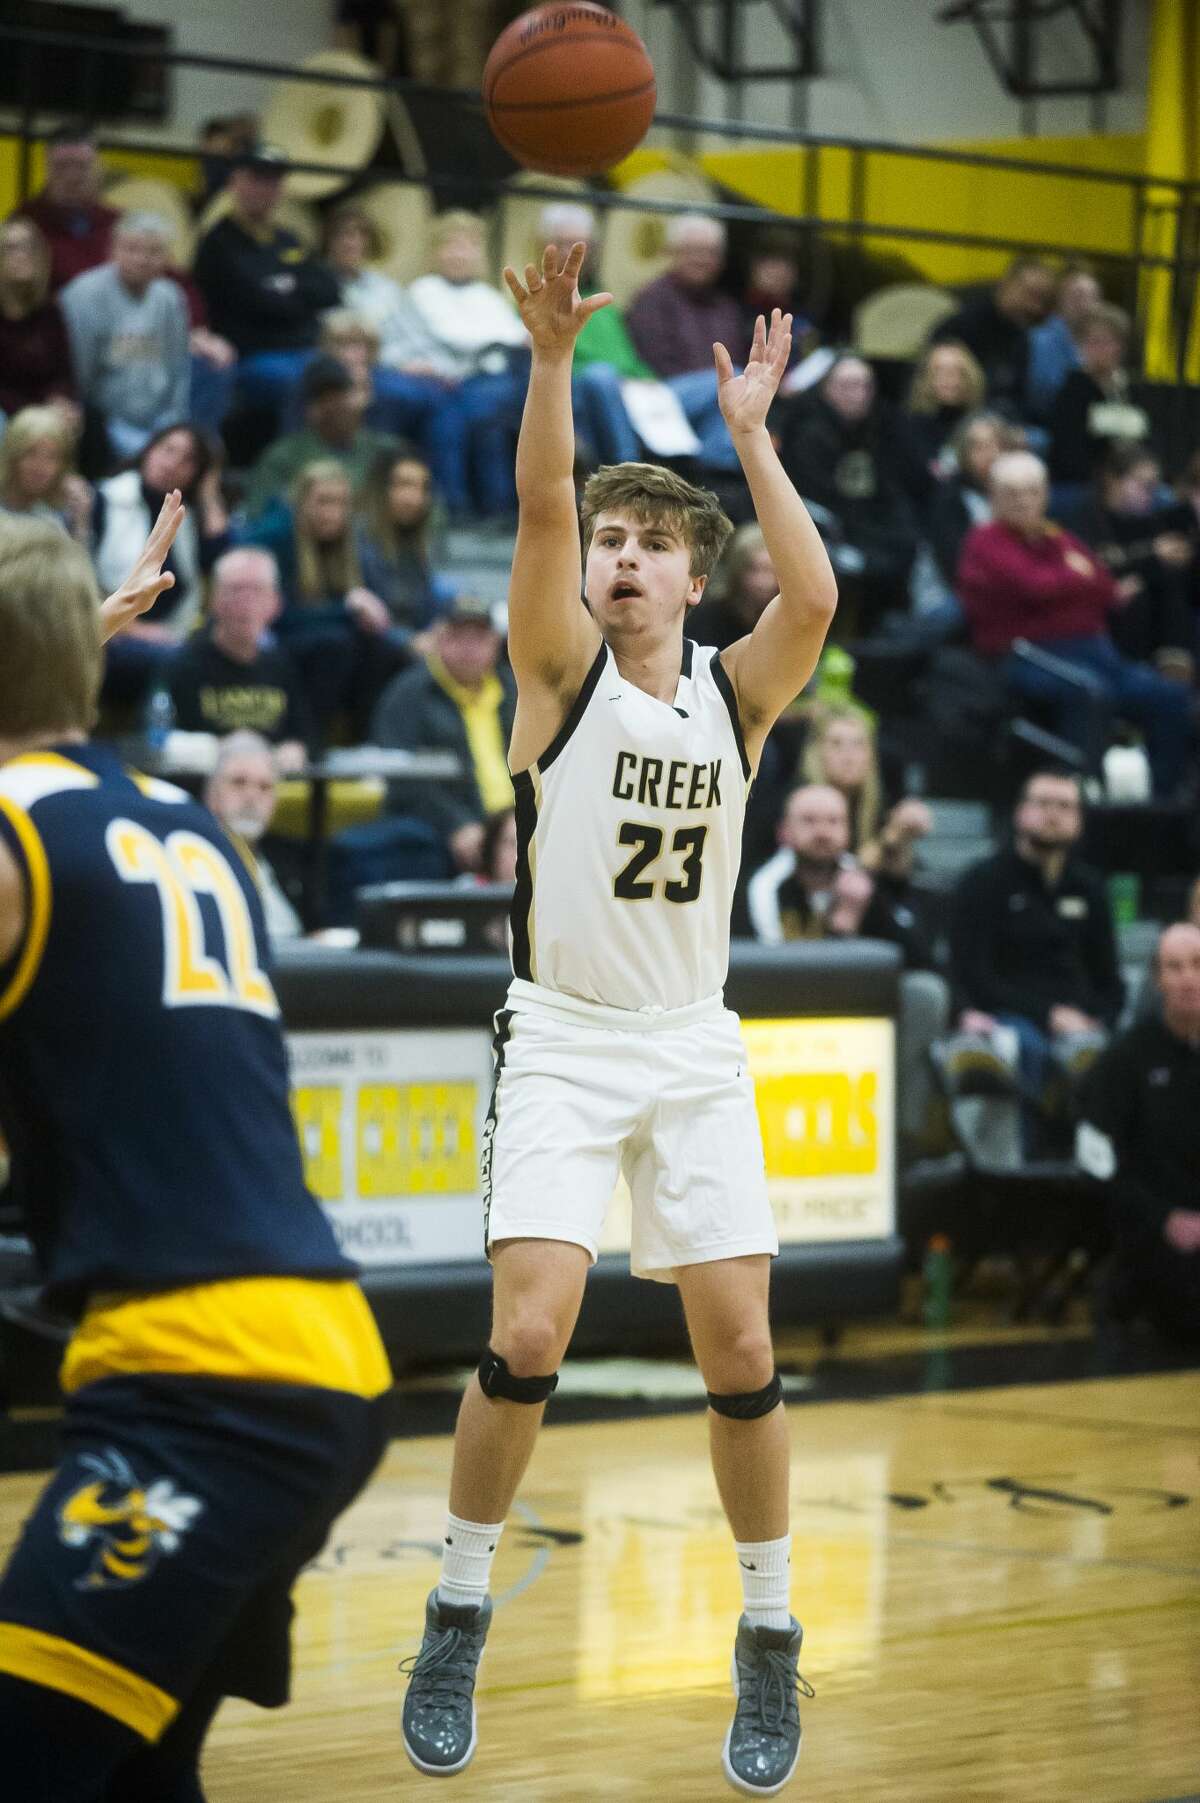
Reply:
x=467, y=1554
x=765, y=1566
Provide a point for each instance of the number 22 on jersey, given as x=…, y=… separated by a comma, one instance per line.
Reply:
x=181, y=868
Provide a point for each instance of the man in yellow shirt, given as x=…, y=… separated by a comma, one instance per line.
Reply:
x=460, y=698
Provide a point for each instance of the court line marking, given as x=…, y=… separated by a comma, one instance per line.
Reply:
x=1088, y=1424
x=1097, y=1562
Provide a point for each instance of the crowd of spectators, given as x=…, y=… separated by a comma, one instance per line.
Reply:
x=1003, y=498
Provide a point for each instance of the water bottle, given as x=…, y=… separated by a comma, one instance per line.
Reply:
x=938, y=1274
x=157, y=722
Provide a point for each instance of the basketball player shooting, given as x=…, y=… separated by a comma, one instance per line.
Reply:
x=633, y=752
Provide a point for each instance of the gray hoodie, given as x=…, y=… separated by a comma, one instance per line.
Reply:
x=130, y=351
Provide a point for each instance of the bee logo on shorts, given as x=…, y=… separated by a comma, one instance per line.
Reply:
x=132, y=1524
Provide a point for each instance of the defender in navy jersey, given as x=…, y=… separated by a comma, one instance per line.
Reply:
x=632, y=755
x=224, y=1381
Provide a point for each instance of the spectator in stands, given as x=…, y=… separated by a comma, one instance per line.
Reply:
x=842, y=451
x=741, y=586
x=75, y=223
x=459, y=698
x=35, y=356
x=1140, y=1136
x=125, y=508
x=242, y=792
x=213, y=358
x=478, y=327
x=230, y=676
x=1094, y=407
x=1032, y=945
x=604, y=352
x=336, y=630
x=335, y=405
x=405, y=342
x=963, y=500
x=1020, y=578
x=814, y=888
x=129, y=337
x=263, y=291
x=995, y=327
x=1054, y=345
x=675, y=320
x=36, y=477
x=1148, y=544
x=840, y=753
x=947, y=387
x=393, y=532
x=773, y=280
x=423, y=408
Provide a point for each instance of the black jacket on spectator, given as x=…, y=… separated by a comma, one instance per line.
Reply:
x=887, y=916
x=1143, y=1096
x=947, y=524
x=415, y=713
x=999, y=344
x=1084, y=424
x=1161, y=616
x=1018, y=947
x=262, y=295
x=215, y=693
x=861, y=472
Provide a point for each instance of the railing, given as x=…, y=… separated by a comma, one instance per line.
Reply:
x=1162, y=211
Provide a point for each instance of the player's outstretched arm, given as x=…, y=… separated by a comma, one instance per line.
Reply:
x=551, y=638
x=770, y=666
x=147, y=580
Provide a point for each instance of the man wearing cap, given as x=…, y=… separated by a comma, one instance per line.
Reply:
x=459, y=698
x=263, y=291
x=334, y=406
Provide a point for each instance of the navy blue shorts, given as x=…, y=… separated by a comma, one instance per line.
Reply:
x=161, y=1555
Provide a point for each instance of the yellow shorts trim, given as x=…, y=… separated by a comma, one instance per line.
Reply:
x=61, y=1665
x=284, y=1330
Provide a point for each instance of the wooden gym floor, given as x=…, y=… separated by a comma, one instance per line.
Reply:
x=999, y=1581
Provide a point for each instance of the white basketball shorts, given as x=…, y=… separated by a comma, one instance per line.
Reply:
x=583, y=1093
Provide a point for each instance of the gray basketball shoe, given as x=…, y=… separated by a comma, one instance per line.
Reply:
x=439, y=1710
x=763, y=1743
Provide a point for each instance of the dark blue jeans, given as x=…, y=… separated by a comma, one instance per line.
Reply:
x=1118, y=686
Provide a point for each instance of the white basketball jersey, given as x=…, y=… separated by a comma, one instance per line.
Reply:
x=629, y=831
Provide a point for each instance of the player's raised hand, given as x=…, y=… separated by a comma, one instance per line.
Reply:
x=746, y=399
x=551, y=307
x=147, y=580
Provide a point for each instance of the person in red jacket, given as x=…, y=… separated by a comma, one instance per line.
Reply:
x=77, y=227
x=1020, y=577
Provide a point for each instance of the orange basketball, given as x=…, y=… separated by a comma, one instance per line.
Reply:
x=569, y=90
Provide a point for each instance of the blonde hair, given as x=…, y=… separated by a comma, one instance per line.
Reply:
x=25, y=429
x=743, y=547
x=654, y=494
x=50, y=629
x=343, y=326
x=322, y=569
x=19, y=299
x=864, y=815
x=449, y=225
x=921, y=398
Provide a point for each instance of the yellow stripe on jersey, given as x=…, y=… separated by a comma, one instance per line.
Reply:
x=37, y=926
x=285, y=1330
x=75, y=1671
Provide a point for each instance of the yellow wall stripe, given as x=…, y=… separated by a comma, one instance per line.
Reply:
x=38, y=925
x=61, y=1665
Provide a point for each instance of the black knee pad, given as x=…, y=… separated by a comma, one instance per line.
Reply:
x=495, y=1379
x=753, y=1403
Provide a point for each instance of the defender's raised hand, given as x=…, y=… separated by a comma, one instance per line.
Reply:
x=147, y=580
x=551, y=308
x=746, y=399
